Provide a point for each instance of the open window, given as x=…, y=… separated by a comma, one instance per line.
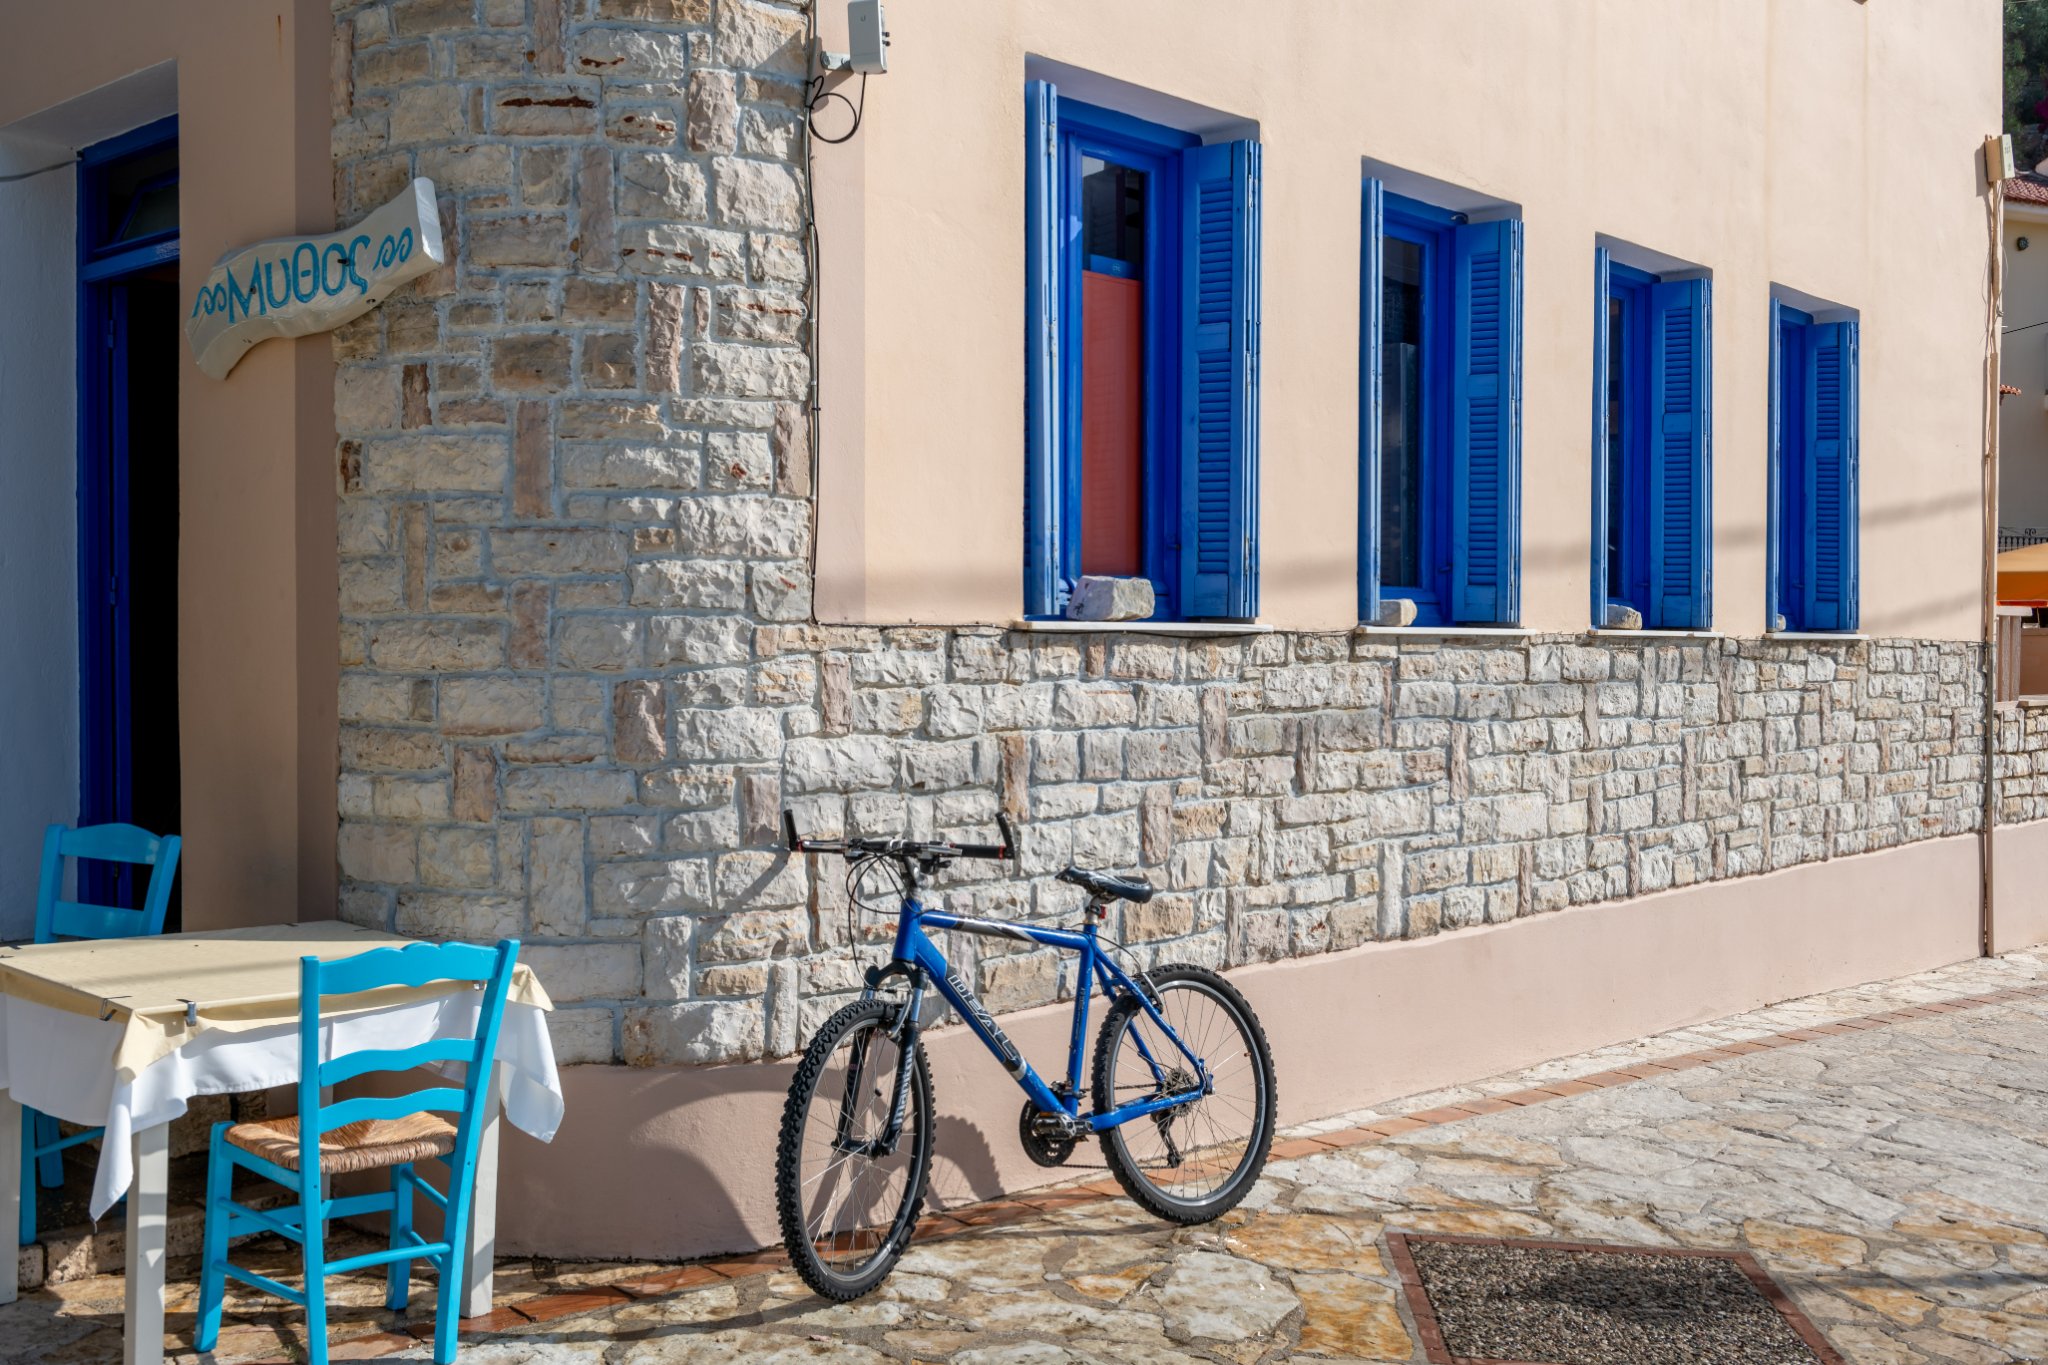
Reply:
x=1814, y=495
x=1440, y=428
x=1652, y=471
x=1141, y=361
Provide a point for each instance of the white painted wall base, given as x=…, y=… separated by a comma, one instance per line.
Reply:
x=679, y=1162
x=38, y=517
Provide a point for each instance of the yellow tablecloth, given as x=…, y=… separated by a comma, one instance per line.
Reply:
x=169, y=988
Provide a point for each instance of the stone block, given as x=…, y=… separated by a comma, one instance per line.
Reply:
x=711, y=111
x=660, y=185
x=620, y=54
x=557, y=789
x=586, y=971
x=651, y=249
x=491, y=706
x=694, y=1033
x=1099, y=598
x=448, y=916
x=757, y=37
x=435, y=464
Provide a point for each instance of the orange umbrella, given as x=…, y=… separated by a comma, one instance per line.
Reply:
x=2023, y=574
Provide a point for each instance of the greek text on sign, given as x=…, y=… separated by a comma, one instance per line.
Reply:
x=295, y=286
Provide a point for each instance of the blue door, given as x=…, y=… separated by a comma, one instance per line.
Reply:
x=130, y=355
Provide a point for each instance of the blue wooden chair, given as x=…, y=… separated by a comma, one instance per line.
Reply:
x=42, y=1151
x=391, y=1132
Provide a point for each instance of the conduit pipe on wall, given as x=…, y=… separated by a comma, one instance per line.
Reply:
x=1993, y=353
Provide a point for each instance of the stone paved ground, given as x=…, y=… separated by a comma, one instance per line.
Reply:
x=1893, y=1177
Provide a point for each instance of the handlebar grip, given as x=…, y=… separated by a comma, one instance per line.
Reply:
x=982, y=850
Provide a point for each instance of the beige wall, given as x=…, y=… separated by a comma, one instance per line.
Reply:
x=2023, y=419
x=1825, y=145
x=257, y=613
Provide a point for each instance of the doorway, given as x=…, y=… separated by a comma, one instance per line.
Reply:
x=129, y=361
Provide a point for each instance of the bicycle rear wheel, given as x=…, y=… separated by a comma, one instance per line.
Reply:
x=1194, y=1162
x=847, y=1204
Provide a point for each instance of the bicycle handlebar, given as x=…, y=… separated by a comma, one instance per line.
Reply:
x=916, y=850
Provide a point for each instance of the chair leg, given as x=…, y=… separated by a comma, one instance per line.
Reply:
x=398, y=1276
x=220, y=1174
x=28, y=1182
x=315, y=1225
x=454, y=1276
x=49, y=1164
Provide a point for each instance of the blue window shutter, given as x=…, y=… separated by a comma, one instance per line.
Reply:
x=1485, y=492
x=1220, y=381
x=1601, y=341
x=1831, y=493
x=1776, y=602
x=1042, y=217
x=1680, y=501
x=1371, y=270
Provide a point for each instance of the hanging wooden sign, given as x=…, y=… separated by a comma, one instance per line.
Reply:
x=295, y=286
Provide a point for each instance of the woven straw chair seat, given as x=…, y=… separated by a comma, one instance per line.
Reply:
x=365, y=1146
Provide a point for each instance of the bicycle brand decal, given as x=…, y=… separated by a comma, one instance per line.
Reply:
x=1006, y=1051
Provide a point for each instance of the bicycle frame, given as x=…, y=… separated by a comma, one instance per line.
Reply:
x=919, y=959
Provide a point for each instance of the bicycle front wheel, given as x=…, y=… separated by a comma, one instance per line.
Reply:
x=1193, y=1162
x=847, y=1196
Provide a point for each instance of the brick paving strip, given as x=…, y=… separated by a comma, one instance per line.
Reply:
x=1017, y=1208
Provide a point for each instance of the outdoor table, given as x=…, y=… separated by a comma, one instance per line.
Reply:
x=121, y=1033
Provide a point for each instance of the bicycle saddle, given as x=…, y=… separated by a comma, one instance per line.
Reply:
x=1135, y=889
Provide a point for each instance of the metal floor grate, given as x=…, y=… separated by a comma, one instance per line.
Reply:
x=1507, y=1301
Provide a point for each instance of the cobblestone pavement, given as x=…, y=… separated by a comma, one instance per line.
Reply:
x=1888, y=1171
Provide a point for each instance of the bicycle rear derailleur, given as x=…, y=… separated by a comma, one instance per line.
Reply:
x=1049, y=1139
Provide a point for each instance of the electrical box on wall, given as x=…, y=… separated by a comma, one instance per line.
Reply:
x=867, y=41
x=1998, y=159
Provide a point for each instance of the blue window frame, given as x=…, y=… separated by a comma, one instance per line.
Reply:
x=1652, y=442
x=1197, y=253
x=1440, y=428
x=1814, y=575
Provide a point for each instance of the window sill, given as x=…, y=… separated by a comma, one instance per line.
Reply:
x=1181, y=628
x=1815, y=635
x=1608, y=633
x=1501, y=631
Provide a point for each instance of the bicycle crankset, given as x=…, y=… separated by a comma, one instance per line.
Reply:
x=1049, y=1139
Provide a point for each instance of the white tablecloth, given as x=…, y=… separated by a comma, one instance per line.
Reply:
x=62, y=1064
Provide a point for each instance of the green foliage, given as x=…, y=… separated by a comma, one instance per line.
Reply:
x=2026, y=79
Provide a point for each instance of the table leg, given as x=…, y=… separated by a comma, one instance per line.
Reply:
x=143, y=1342
x=481, y=1251
x=10, y=1196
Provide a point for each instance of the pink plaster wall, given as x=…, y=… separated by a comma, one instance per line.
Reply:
x=680, y=1162
x=2020, y=868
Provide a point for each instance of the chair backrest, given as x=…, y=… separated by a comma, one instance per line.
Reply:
x=57, y=919
x=415, y=964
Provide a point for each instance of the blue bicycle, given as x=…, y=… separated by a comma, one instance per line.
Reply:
x=1181, y=1095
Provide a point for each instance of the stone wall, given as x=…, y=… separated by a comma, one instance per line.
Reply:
x=2022, y=763
x=579, y=681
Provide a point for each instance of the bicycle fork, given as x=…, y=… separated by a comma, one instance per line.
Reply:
x=904, y=1032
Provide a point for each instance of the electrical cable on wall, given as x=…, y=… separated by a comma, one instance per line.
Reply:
x=60, y=165
x=816, y=96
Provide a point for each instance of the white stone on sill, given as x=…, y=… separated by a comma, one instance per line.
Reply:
x=1098, y=597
